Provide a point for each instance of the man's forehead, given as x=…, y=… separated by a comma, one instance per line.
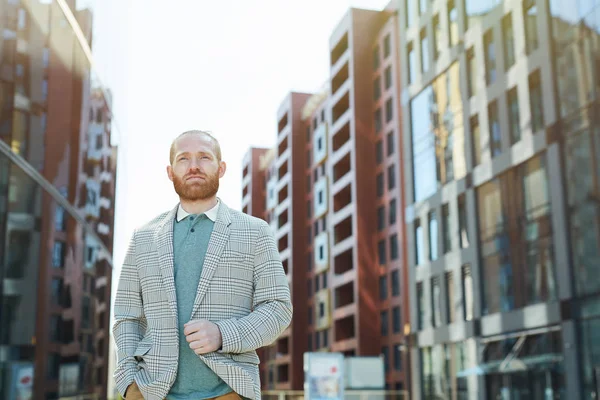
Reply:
x=194, y=143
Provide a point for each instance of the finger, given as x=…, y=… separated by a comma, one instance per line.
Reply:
x=192, y=328
x=194, y=336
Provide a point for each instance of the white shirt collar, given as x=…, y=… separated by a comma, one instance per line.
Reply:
x=210, y=214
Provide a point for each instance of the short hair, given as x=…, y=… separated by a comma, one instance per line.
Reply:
x=216, y=145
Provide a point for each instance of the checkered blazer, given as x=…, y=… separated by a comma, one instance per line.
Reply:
x=243, y=289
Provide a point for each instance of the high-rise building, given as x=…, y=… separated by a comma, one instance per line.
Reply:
x=57, y=189
x=339, y=230
x=501, y=215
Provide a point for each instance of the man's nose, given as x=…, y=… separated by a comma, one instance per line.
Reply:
x=194, y=164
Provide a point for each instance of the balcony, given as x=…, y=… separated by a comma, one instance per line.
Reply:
x=344, y=295
x=339, y=49
x=343, y=198
x=340, y=107
x=343, y=230
x=345, y=329
x=343, y=262
x=342, y=167
x=340, y=78
x=341, y=137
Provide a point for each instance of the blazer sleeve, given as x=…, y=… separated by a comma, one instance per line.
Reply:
x=129, y=320
x=272, y=306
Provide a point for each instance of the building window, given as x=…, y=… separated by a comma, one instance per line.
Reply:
x=447, y=232
x=467, y=292
x=391, y=172
x=386, y=358
x=409, y=12
x=433, y=236
x=494, y=128
x=380, y=185
x=509, y=40
x=376, y=58
x=539, y=255
x=59, y=219
x=388, y=77
x=395, y=283
x=387, y=46
x=380, y=218
x=56, y=291
x=412, y=62
x=472, y=72
x=378, y=120
x=536, y=103
x=463, y=231
x=390, y=143
x=389, y=110
x=512, y=99
x=490, y=57
x=494, y=243
x=421, y=320
x=419, y=245
x=379, y=152
x=394, y=247
x=437, y=37
x=475, y=140
x=396, y=325
x=423, y=6
x=424, y=51
x=436, y=302
x=383, y=292
x=58, y=255
x=381, y=251
x=398, y=361
x=377, y=88
x=530, y=15
x=384, y=323
x=450, y=298
x=452, y=23
x=392, y=212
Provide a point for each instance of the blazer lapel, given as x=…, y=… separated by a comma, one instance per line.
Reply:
x=216, y=244
x=164, y=244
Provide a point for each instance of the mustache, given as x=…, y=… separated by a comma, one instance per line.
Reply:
x=194, y=175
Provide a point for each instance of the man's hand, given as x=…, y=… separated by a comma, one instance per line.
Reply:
x=203, y=336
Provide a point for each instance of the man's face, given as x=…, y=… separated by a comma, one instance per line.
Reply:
x=195, y=171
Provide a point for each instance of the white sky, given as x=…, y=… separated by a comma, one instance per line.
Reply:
x=223, y=66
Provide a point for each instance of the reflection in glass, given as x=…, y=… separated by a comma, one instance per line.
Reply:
x=437, y=134
x=530, y=15
x=497, y=269
x=490, y=57
x=541, y=285
x=509, y=40
x=512, y=99
x=585, y=237
x=452, y=23
x=424, y=51
x=433, y=236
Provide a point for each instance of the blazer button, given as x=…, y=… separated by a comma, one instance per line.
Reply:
x=192, y=230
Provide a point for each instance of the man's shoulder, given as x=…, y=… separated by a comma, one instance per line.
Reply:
x=244, y=221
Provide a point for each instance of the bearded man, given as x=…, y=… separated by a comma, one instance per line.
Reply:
x=201, y=288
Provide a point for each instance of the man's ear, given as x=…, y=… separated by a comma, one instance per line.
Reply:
x=222, y=168
x=170, y=172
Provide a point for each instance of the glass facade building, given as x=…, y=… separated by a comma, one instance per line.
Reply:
x=57, y=190
x=502, y=132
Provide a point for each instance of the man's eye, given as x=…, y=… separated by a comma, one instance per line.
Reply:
x=183, y=159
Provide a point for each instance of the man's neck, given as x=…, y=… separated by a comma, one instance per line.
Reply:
x=198, y=206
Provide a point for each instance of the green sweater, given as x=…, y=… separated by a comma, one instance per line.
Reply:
x=190, y=240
